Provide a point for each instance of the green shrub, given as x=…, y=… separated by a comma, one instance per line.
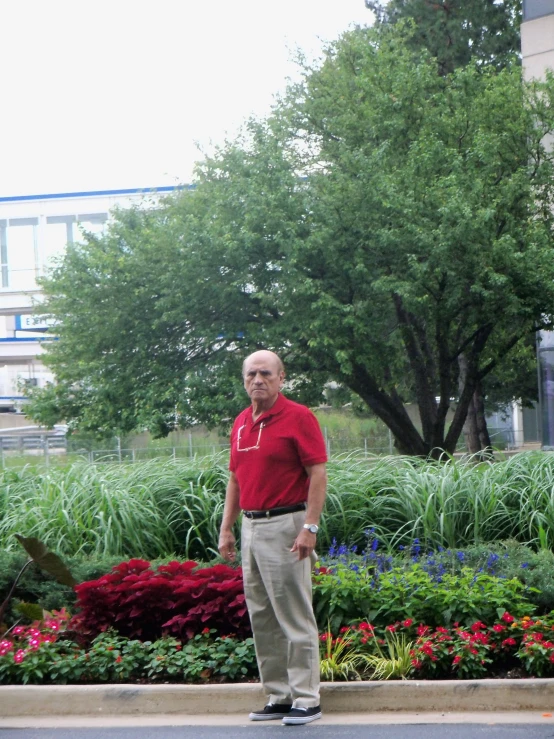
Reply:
x=343, y=595
x=30, y=658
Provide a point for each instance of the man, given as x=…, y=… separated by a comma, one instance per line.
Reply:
x=278, y=480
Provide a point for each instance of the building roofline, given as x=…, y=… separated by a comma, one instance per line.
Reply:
x=91, y=193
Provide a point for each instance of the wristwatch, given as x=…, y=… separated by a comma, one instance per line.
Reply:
x=313, y=528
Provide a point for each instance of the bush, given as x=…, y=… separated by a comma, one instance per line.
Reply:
x=179, y=599
x=344, y=593
x=40, y=655
x=37, y=586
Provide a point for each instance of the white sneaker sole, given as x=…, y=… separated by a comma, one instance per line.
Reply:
x=261, y=717
x=295, y=720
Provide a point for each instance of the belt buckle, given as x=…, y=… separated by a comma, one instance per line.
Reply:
x=268, y=514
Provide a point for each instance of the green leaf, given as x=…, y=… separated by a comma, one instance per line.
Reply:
x=48, y=561
x=31, y=611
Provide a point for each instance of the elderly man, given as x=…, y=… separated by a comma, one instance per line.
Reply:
x=278, y=480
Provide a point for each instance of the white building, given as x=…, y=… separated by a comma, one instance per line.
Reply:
x=33, y=230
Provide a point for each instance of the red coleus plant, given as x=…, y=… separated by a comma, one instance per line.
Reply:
x=178, y=599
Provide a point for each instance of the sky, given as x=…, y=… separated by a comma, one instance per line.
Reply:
x=109, y=94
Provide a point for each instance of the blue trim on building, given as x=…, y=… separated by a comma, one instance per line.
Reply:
x=34, y=340
x=92, y=193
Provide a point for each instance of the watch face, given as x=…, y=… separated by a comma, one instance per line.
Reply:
x=313, y=528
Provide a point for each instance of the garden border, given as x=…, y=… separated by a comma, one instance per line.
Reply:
x=416, y=696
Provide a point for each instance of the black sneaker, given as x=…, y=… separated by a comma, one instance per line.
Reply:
x=271, y=711
x=302, y=715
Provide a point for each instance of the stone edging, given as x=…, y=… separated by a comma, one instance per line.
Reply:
x=371, y=697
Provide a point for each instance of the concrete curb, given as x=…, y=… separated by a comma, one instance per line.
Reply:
x=371, y=697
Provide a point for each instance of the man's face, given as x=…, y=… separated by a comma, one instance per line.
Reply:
x=262, y=379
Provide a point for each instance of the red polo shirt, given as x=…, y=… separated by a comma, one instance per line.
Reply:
x=269, y=457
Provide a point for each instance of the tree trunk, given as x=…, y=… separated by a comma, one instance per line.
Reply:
x=475, y=431
x=481, y=421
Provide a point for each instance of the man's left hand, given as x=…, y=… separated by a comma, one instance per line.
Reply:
x=304, y=544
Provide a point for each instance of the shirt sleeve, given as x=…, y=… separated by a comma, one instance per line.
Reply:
x=309, y=440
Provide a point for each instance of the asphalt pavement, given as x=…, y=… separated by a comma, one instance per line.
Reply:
x=275, y=729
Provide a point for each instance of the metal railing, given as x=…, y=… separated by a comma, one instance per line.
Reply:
x=53, y=448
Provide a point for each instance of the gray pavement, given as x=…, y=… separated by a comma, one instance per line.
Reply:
x=316, y=729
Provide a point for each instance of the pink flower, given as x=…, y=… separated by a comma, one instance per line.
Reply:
x=19, y=656
x=34, y=643
x=19, y=630
x=5, y=646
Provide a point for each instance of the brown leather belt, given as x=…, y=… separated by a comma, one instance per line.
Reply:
x=275, y=511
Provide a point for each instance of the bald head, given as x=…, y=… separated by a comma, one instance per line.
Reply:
x=264, y=356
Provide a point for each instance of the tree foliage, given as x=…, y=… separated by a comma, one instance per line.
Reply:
x=383, y=223
x=457, y=32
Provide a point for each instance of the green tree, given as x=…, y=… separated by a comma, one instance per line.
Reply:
x=384, y=227
x=457, y=32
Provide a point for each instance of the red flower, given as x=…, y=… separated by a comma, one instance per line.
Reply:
x=407, y=623
x=457, y=659
x=118, y=659
x=507, y=618
x=551, y=658
x=365, y=626
x=422, y=630
x=477, y=626
x=498, y=628
x=509, y=642
x=206, y=630
x=391, y=627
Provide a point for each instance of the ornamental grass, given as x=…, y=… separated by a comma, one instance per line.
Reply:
x=165, y=508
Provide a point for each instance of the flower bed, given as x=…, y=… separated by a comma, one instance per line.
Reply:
x=45, y=653
x=411, y=615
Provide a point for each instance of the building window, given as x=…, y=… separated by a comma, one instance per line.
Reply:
x=22, y=252
x=4, y=281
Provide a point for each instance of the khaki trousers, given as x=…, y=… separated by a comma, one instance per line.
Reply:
x=278, y=589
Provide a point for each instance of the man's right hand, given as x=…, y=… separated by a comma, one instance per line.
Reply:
x=227, y=546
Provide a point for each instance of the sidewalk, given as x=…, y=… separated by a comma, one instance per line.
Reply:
x=393, y=701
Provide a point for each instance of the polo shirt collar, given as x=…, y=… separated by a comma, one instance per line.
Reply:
x=276, y=408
